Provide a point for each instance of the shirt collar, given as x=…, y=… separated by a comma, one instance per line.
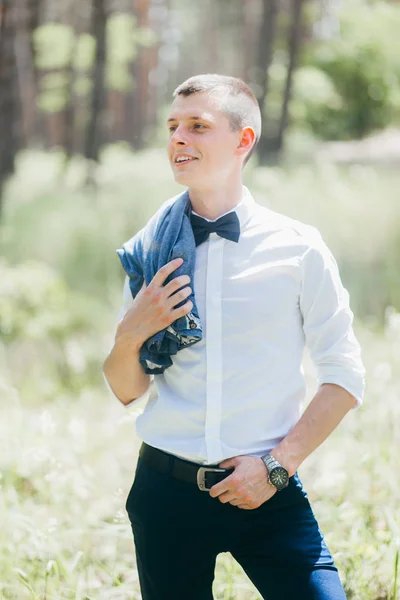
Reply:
x=243, y=209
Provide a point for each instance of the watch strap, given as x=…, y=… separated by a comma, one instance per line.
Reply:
x=271, y=463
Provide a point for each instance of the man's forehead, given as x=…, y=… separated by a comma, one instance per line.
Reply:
x=195, y=106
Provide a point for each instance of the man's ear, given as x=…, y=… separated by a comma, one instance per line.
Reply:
x=246, y=141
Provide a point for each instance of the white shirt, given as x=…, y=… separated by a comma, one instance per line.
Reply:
x=239, y=390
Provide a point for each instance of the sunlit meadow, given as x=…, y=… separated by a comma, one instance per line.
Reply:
x=69, y=450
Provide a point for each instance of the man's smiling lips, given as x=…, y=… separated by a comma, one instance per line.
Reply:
x=183, y=159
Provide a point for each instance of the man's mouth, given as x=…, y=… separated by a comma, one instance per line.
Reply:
x=183, y=159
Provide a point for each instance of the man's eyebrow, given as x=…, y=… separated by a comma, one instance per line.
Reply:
x=193, y=118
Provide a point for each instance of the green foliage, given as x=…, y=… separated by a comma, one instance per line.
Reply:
x=42, y=320
x=54, y=50
x=362, y=79
x=120, y=38
x=118, y=76
x=76, y=230
x=314, y=96
x=53, y=45
x=353, y=85
x=54, y=94
x=57, y=47
x=35, y=303
x=84, y=52
x=144, y=36
x=82, y=86
x=123, y=38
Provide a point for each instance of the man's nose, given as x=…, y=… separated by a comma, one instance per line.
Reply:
x=179, y=138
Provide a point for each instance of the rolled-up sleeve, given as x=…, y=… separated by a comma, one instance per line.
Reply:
x=328, y=322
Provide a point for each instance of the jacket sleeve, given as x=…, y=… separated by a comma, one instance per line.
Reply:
x=328, y=321
x=132, y=260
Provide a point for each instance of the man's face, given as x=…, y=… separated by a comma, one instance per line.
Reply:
x=202, y=146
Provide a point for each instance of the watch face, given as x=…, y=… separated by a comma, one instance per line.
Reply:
x=279, y=477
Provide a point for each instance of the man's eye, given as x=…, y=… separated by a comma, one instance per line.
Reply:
x=198, y=125
x=171, y=129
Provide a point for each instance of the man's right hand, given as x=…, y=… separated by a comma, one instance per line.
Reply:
x=153, y=308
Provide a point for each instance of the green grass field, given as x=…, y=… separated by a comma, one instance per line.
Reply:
x=68, y=450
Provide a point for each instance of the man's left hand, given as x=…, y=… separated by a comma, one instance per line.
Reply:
x=247, y=487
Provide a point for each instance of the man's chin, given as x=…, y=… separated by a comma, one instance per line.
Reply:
x=183, y=178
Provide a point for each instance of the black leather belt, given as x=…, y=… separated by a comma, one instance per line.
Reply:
x=203, y=476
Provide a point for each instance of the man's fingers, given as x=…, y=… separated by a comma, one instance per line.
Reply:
x=226, y=485
x=176, y=283
x=165, y=271
x=179, y=296
x=183, y=310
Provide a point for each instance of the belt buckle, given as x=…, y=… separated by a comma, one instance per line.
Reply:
x=201, y=477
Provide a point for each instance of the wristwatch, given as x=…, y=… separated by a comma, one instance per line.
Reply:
x=277, y=475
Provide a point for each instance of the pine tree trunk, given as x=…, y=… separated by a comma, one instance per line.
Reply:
x=93, y=132
x=138, y=103
x=211, y=37
x=247, y=29
x=25, y=66
x=264, y=59
x=9, y=104
x=294, y=46
x=34, y=19
x=80, y=103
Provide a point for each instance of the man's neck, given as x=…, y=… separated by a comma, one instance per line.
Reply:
x=215, y=202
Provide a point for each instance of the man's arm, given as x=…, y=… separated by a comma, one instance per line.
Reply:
x=124, y=372
x=152, y=310
x=247, y=487
x=324, y=413
x=327, y=326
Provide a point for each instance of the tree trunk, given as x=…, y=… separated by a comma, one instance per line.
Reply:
x=34, y=20
x=247, y=29
x=211, y=37
x=83, y=16
x=269, y=16
x=69, y=110
x=137, y=108
x=26, y=17
x=294, y=46
x=93, y=132
x=9, y=104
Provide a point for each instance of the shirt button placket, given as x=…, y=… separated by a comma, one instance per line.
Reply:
x=214, y=348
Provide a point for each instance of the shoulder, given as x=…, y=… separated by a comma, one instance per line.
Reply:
x=149, y=229
x=291, y=230
x=177, y=202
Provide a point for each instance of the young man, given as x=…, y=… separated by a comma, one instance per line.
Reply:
x=232, y=400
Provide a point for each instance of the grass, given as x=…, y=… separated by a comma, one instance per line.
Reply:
x=67, y=467
x=68, y=450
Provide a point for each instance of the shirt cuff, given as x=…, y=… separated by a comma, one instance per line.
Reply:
x=145, y=396
x=356, y=390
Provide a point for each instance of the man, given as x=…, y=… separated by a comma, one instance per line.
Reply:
x=232, y=400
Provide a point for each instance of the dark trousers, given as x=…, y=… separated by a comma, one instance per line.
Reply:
x=179, y=530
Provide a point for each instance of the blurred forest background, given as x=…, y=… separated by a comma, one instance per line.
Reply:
x=85, y=89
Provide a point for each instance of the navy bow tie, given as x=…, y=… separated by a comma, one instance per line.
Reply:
x=227, y=227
